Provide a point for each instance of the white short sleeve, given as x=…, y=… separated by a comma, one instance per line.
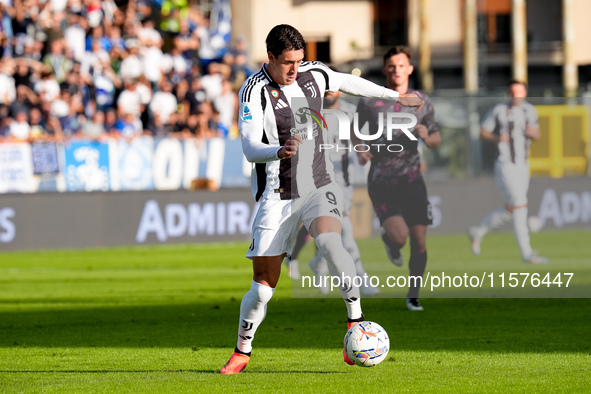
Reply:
x=490, y=120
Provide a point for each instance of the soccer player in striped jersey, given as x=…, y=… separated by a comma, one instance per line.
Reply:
x=511, y=126
x=292, y=179
x=395, y=182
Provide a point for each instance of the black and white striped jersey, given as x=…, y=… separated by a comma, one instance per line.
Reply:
x=512, y=120
x=267, y=120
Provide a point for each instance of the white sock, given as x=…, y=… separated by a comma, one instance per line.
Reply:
x=319, y=255
x=351, y=245
x=252, y=313
x=494, y=220
x=340, y=264
x=521, y=232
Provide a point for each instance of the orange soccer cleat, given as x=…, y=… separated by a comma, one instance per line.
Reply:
x=347, y=359
x=236, y=364
x=349, y=325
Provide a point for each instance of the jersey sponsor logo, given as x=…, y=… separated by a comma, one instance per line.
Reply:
x=281, y=104
x=303, y=114
x=303, y=132
x=246, y=114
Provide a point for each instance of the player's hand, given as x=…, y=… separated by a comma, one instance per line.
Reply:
x=504, y=137
x=421, y=131
x=290, y=148
x=364, y=157
x=411, y=100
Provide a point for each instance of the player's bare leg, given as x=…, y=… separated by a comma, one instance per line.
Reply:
x=327, y=234
x=253, y=308
x=394, y=236
x=492, y=221
x=416, y=264
x=518, y=216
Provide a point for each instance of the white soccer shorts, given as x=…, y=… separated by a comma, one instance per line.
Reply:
x=513, y=181
x=277, y=221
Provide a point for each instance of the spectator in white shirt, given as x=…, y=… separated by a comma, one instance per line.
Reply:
x=212, y=82
x=225, y=105
x=129, y=101
x=20, y=128
x=147, y=34
x=144, y=90
x=152, y=63
x=92, y=58
x=48, y=87
x=131, y=66
x=7, y=86
x=75, y=36
x=164, y=102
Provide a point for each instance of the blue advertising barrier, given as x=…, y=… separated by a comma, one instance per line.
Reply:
x=144, y=163
x=87, y=166
x=45, y=159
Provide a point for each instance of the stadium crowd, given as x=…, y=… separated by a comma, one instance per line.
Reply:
x=115, y=69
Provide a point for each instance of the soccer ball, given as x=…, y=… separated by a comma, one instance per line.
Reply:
x=367, y=344
x=534, y=224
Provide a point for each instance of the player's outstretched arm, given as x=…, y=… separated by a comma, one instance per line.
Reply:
x=357, y=86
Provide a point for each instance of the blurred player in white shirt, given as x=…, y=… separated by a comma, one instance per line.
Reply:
x=511, y=126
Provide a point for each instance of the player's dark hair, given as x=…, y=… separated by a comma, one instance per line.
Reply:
x=517, y=82
x=283, y=37
x=397, y=50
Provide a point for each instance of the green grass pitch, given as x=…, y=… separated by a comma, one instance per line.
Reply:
x=164, y=319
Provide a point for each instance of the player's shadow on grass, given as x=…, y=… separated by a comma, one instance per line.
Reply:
x=489, y=325
x=198, y=371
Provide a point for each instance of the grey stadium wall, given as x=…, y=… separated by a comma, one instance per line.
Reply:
x=79, y=220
